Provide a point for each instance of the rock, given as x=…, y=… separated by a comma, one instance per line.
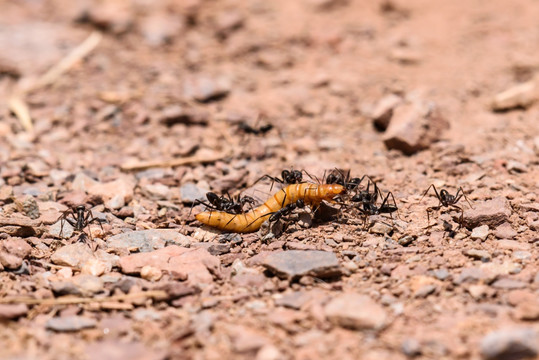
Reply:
x=505, y=231
x=12, y=311
x=94, y=267
x=189, y=193
x=512, y=245
x=355, y=311
x=296, y=263
x=61, y=229
x=383, y=111
x=150, y=273
x=115, y=350
x=518, y=96
x=28, y=206
x=528, y=311
x=491, y=212
x=414, y=127
x=176, y=114
x=480, y=233
x=425, y=290
x=204, y=88
x=269, y=352
x=508, y=284
x=13, y=252
x=156, y=191
x=294, y=300
x=82, y=182
x=213, y=248
x=160, y=28
x=87, y=285
x=147, y=240
x=124, y=186
x=482, y=255
x=411, y=347
x=176, y=289
x=248, y=280
x=109, y=260
x=70, y=323
x=6, y=192
x=245, y=339
x=198, y=264
x=380, y=228
x=73, y=255
x=516, y=167
x=115, y=203
x=522, y=255
x=510, y=343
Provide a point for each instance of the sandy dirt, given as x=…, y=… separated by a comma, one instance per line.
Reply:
x=145, y=111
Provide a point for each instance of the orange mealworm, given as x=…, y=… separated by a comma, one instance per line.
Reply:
x=311, y=194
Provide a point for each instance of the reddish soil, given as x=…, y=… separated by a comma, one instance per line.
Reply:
x=150, y=116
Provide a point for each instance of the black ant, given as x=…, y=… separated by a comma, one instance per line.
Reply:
x=287, y=177
x=248, y=129
x=336, y=176
x=369, y=206
x=227, y=204
x=286, y=210
x=446, y=200
x=80, y=218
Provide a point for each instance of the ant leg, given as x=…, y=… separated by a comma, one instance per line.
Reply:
x=461, y=219
x=426, y=191
x=461, y=192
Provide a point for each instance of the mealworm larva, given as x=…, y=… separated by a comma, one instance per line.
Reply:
x=311, y=194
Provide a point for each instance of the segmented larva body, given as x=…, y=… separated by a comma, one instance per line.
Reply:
x=311, y=194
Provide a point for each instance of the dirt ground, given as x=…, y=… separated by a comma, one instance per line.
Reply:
x=142, y=114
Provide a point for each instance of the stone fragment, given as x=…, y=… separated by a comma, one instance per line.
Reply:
x=411, y=347
x=213, y=248
x=414, y=127
x=94, y=267
x=13, y=252
x=505, y=231
x=70, y=323
x=245, y=339
x=159, y=28
x=294, y=300
x=87, y=285
x=383, y=111
x=124, y=186
x=61, y=229
x=116, y=350
x=189, y=193
x=518, y=96
x=12, y=311
x=150, y=273
x=205, y=88
x=27, y=205
x=198, y=264
x=148, y=240
x=482, y=255
x=156, y=191
x=296, y=263
x=73, y=255
x=480, y=233
x=355, y=311
x=491, y=212
x=508, y=284
x=510, y=343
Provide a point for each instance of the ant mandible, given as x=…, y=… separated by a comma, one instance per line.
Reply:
x=446, y=200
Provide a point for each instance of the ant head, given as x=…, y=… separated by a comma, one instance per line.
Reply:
x=297, y=174
x=80, y=207
x=331, y=179
x=285, y=174
x=444, y=193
